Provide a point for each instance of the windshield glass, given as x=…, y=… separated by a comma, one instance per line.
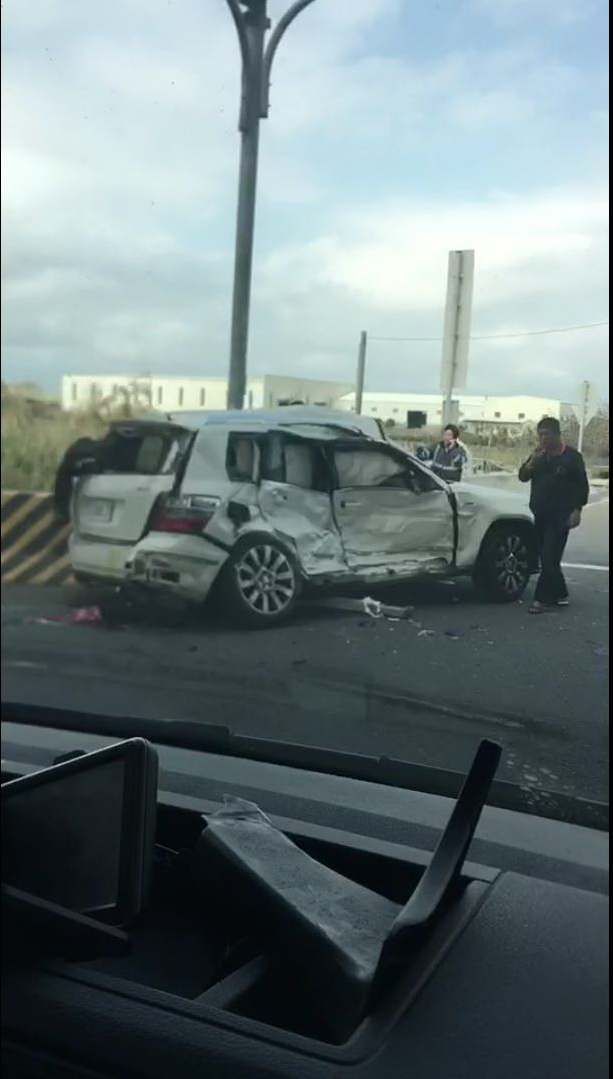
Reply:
x=337, y=474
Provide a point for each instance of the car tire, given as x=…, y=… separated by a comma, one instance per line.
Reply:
x=504, y=565
x=260, y=583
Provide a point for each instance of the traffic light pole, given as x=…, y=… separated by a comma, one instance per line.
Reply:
x=252, y=23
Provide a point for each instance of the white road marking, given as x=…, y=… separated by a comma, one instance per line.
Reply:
x=599, y=502
x=24, y=663
x=584, y=565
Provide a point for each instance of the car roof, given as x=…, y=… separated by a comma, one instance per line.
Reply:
x=286, y=415
x=307, y=431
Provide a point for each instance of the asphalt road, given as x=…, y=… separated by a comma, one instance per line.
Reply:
x=425, y=689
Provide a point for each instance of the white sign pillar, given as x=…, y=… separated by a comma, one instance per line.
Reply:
x=456, y=329
x=585, y=410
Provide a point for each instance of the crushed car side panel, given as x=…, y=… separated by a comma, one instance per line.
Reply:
x=393, y=519
x=303, y=519
x=395, y=533
x=294, y=500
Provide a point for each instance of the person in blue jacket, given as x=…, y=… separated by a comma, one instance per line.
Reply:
x=449, y=457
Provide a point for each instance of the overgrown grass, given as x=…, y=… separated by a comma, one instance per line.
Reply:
x=32, y=447
x=36, y=434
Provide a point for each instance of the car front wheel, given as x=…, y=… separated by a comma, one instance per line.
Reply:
x=504, y=565
x=260, y=583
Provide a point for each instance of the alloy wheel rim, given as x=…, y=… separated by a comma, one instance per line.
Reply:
x=266, y=579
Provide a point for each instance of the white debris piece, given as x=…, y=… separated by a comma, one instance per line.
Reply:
x=373, y=607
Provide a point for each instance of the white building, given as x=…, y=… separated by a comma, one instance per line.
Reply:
x=476, y=414
x=176, y=393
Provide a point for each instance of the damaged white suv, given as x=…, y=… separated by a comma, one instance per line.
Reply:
x=257, y=512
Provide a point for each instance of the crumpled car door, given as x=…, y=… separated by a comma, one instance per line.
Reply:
x=298, y=512
x=391, y=516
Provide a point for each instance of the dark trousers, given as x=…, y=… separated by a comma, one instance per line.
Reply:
x=551, y=538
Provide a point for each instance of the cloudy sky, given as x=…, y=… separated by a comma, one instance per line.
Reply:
x=399, y=130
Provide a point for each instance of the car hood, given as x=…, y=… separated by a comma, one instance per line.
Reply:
x=504, y=503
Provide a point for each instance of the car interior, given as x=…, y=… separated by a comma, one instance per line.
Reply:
x=216, y=927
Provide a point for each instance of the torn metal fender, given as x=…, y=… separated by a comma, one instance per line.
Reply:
x=180, y=565
x=478, y=508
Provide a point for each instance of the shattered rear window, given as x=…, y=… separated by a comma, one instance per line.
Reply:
x=131, y=452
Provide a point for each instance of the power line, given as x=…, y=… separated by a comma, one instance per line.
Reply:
x=502, y=336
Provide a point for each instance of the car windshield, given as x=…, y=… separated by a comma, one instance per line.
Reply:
x=327, y=467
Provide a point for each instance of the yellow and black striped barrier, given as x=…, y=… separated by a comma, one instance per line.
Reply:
x=34, y=543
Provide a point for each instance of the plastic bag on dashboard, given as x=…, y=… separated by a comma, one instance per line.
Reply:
x=329, y=929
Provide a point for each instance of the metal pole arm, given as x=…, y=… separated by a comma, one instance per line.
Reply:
x=237, y=17
x=272, y=47
x=251, y=73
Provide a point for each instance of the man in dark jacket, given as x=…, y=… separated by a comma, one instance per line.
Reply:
x=559, y=491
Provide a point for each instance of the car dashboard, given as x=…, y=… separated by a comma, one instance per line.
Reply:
x=512, y=979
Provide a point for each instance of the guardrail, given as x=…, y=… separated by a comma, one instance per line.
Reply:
x=34, y=543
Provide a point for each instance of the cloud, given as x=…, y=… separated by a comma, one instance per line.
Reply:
x=119, y=175
x=395, y=255
x=513, y=12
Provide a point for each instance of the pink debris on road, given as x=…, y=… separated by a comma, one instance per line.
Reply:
x=89, y=615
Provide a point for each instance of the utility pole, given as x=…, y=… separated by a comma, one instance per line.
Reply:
x=586, y=389
x=252, y=23
x=359, y=382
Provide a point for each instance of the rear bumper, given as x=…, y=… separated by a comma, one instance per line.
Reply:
x=103, y=561
x=176, y=565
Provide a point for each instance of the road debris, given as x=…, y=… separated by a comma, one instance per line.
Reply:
x=79, y=616
x=376, y=609
x=373, y=607
x=397, y=614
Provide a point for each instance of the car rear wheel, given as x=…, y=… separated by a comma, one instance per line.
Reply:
x=504, y=566
x=260, y=583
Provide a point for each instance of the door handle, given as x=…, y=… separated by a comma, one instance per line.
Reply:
x=350, y=505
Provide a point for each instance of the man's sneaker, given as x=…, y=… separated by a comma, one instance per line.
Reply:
x=537, y=608
x=563, y=602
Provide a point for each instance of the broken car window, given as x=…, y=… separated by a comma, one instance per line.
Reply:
x=368, y=468
x=241, y=459
x=151, y=455
x=298, y=465
x=136, y=452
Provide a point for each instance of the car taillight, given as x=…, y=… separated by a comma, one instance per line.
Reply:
x=190, y=513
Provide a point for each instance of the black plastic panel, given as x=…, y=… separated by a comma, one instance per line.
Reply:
x=513, y=982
